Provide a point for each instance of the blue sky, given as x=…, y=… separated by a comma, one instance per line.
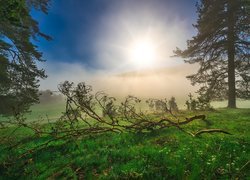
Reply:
x=77, y=26
x=93, y=40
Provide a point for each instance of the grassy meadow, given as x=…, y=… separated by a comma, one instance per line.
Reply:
x=162, y=154
x=180, y=54
x=51, y=111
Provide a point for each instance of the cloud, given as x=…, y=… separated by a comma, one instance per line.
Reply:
x=107, y=45
x=58, y=72
x=125, y=22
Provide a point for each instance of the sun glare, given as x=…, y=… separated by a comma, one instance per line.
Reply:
x=142, y=53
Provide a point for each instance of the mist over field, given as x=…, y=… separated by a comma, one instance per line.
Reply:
x=134, y=115
x=152, y=83
x=158, y=83
x=127, y=51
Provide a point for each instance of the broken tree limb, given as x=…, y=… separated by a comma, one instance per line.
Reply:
x=87, y=114
x=209, y=131
x=188, y=120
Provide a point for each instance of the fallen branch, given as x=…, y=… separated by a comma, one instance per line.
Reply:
x=209, y=131
x=83, y=118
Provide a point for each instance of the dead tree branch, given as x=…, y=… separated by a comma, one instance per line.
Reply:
x=87, y=114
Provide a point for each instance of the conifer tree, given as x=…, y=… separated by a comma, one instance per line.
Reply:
x=19, y=74
x=222, y=49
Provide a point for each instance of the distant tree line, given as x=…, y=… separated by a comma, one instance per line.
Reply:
x=163, y=105
x=199, y=103
x=47, y=96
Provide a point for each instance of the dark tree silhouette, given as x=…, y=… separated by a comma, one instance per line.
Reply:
x=18, y=54
x=172, y=104
x=222, y=48
x=47, y=96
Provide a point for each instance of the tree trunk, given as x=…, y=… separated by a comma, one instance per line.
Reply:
x=231, y=56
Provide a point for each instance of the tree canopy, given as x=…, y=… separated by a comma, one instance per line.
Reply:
x=19, y=74
x=222, y=49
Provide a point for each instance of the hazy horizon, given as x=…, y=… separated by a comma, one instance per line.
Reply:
x=125, y=37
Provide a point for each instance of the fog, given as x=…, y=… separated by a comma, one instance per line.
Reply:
x=133, y=21
x=109, y=44
x=154, y=83
x=111, y=70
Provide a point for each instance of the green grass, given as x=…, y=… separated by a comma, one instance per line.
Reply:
x=165, y=154
x=49, y=111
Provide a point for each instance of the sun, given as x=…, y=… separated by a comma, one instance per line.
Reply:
x=142, y=53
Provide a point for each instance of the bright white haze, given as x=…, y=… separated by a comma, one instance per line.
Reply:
x=132, y=48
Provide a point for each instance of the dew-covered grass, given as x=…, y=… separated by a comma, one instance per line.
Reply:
x=163, y=154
